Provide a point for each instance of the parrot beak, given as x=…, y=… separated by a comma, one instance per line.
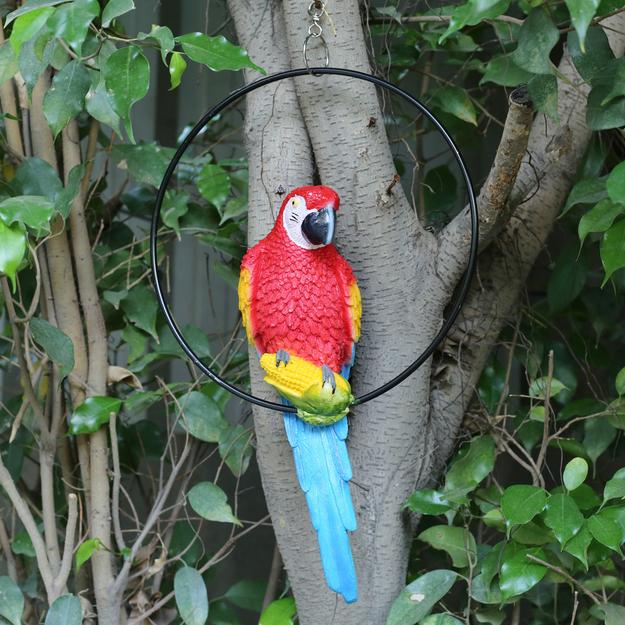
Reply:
x=318, y=226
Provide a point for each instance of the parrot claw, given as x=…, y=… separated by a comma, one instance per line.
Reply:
x=328, y=377
x=282, y=356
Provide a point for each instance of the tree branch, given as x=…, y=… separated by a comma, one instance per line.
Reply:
x=9, y=108
x=25, y=516
x=60, y=583
x=100, y=518
x=5, y=547
x=493, y=206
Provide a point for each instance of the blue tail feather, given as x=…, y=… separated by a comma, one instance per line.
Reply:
x=324, y=471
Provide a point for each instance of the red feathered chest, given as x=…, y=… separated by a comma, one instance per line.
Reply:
x=300, y=301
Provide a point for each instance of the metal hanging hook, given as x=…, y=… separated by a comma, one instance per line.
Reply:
x=316, y=9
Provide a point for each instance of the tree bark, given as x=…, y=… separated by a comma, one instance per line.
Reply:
x=407, y=277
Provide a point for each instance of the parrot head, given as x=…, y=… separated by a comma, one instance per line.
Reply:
x=308, y=216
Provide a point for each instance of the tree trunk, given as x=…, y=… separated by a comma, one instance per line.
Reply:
x=407, y=277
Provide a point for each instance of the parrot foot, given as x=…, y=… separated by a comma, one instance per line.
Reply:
x=328, y=377
x=282, y=356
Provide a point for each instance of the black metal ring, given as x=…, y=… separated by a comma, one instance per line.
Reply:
x=233, y=97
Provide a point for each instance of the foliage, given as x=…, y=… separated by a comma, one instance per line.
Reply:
x=529, y=520
x=97, y=75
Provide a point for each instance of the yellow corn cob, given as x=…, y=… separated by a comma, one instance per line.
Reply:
x=301, y=382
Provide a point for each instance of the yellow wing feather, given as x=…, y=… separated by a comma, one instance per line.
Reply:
x=245, y=304
x=355, y=309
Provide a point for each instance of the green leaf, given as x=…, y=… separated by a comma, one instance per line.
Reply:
x=27, y=25
x=543, y=90
x=538, y=388
x=65, y=99
x=11, y=601
x=615, y=486
x=57, y=345
x=598, y=56
x=470, y=466
x=520, y=503
x=31, y=60
x=66, y=610
x=519, y=573
x=140, y=307
x=619, y=382
x=585, y=497
x=126, y=76
x=175, y=205
x=578, y=545
x=145, y=162
x=217, y=53
x=235, y=448
x=34, y=176
x=599, y=218
x=99, y=105
x=490, y=616
x=115, y=8
x=247, y=594
x=191, y=596
x=471, y=13
x=490, y=563
x=582, y=12
x=502, y=70
x=427, y=501
x=211, y=503
x=537, y=36
x=29, y=6
x=606, y=531
x=494, y=518
x=65, y=197
x=440, y=619
x=71, y=22
x=163, y=36
x=483, y=592
x=615, y=184
x=202, y=417
x=598, y=435
x=12, y=249
x=86, y=550
x=458, y=542
x=566, y=281
x=177, y=66
x=456, y=102
x=22, y=545
x=94, y=412
x=575, y=473
x=563, y=517
x=214, y=184
x=613, y=614
x=586, y=191
x=279, y=612
x=33, y=211
x=531, y=534
x=601, y=115
x=8, y=62
x=537, y=413
x=617, y=88
x=417, y=599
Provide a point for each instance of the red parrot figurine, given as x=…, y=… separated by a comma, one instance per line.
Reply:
x=301, y=308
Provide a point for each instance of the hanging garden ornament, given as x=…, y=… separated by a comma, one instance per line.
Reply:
x=301, y=310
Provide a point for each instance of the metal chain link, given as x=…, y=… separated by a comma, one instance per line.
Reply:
x=316, y=10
